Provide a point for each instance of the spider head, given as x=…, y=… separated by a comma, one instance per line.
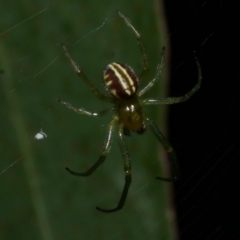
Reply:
x=131, y=115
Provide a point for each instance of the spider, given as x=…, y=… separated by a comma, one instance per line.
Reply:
x=122, y=83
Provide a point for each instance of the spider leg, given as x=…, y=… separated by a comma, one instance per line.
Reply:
x=173, y=100
x=157, y=74
x=141, y=44
x=127, y=169
x=85, y=78
x=168, y=148
x=103, y=156
x=83, y=111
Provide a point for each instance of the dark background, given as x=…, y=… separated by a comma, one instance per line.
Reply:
x=205, y=130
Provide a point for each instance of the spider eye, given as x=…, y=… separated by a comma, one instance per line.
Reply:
x=120, y=80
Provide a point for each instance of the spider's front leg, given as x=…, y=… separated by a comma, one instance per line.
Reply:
x=127, y=169
x=103, y=156
x=169, y=149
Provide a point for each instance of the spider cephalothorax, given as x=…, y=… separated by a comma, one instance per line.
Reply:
x=122, y=83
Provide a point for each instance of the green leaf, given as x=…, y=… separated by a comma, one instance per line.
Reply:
x=39, y=199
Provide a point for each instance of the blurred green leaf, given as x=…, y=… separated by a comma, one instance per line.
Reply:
x=39, y=199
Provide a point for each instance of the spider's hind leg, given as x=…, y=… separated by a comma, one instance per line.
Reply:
x=141, y=44
x=84, y=77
